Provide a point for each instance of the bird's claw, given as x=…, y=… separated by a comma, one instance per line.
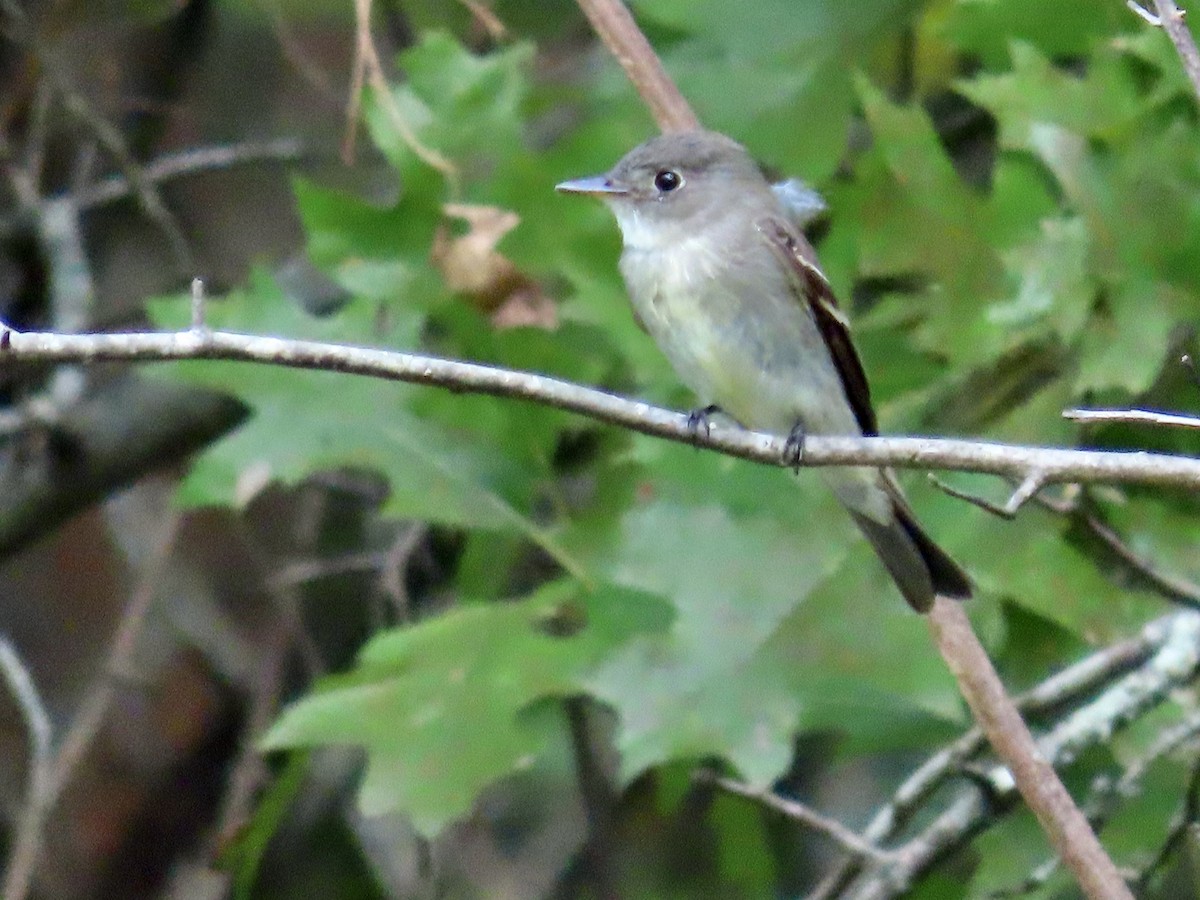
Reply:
x=698, y=417
x=793, y=447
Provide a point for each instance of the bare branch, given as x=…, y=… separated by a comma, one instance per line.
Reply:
x=799, y=812
x=1171, y=19
x=392, y=574
x=197, y=304
x=1068, y=830
x=975, y=500
x=192, y=162
x=1137, y=416
x=1143, y=13
x=27, y=843
x=368, y=66
x=620, y=34
x=1081, y=678
x=1056, y=465
x=1028, y=488
x=1173, y=587
x=304, y=571
x=1179, y=589
x=1173, y=664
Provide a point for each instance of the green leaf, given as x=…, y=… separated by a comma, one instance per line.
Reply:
x=446, y=707
x=1066, y=28
x=768, y=636
x=1055, y=283
x=452, y=476
x=466, y=106
x=1103, y=104
x=776, y=75
x=1126, y=342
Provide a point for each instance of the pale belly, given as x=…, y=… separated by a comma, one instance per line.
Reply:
x=754, y=352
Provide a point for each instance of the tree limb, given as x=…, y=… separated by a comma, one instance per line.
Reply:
x=1171, y=19
x=1134, y=416
x=126, y=428
x=1006, y=460
x=625, y=41
x=1173, y=664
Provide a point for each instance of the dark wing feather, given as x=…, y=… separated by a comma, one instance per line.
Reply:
x=794, y=253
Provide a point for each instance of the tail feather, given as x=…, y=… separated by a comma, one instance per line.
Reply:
x=920, y=568
x=948, y=578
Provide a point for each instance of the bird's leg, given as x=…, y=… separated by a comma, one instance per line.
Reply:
x=698, y=417
x=793, y=447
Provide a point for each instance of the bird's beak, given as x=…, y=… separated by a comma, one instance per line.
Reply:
x=596, y=186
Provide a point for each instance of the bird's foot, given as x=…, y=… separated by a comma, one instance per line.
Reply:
x=700, y=417
x=793, y=447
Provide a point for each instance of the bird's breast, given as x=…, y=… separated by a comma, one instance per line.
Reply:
x=736, y=334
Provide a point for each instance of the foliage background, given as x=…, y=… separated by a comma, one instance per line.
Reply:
x=582, y=616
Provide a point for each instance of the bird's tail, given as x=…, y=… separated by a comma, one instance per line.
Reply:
x=920, y=568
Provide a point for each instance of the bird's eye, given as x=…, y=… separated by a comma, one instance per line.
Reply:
x=667, y=180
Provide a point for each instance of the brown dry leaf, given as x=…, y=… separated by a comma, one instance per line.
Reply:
x=472, y=266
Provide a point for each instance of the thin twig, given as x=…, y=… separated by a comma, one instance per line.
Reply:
x=1026, y=490
x=195, y=161
x=27, y=844
x=1058, y=465
x=1171, y=20
x=198, y=299
x=1136, y=416
x=975, y=500
x=1175, y=587
x=852, y=843
x=368, y=65
x=301, y=572
x=1144, y=14
x=19, y=875
x=392, y=574
x=79, y=108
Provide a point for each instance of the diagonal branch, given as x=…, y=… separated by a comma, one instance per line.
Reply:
x=625, y=41
x=1029, y=768
x=1172, y=665
x=1082, y=678
x=1171, y=19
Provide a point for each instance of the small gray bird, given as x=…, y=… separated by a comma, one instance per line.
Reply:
x=725, y=283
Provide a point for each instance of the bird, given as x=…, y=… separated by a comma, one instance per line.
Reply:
x=721, y=276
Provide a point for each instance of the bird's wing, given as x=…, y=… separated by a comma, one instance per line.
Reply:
x=832, y=323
